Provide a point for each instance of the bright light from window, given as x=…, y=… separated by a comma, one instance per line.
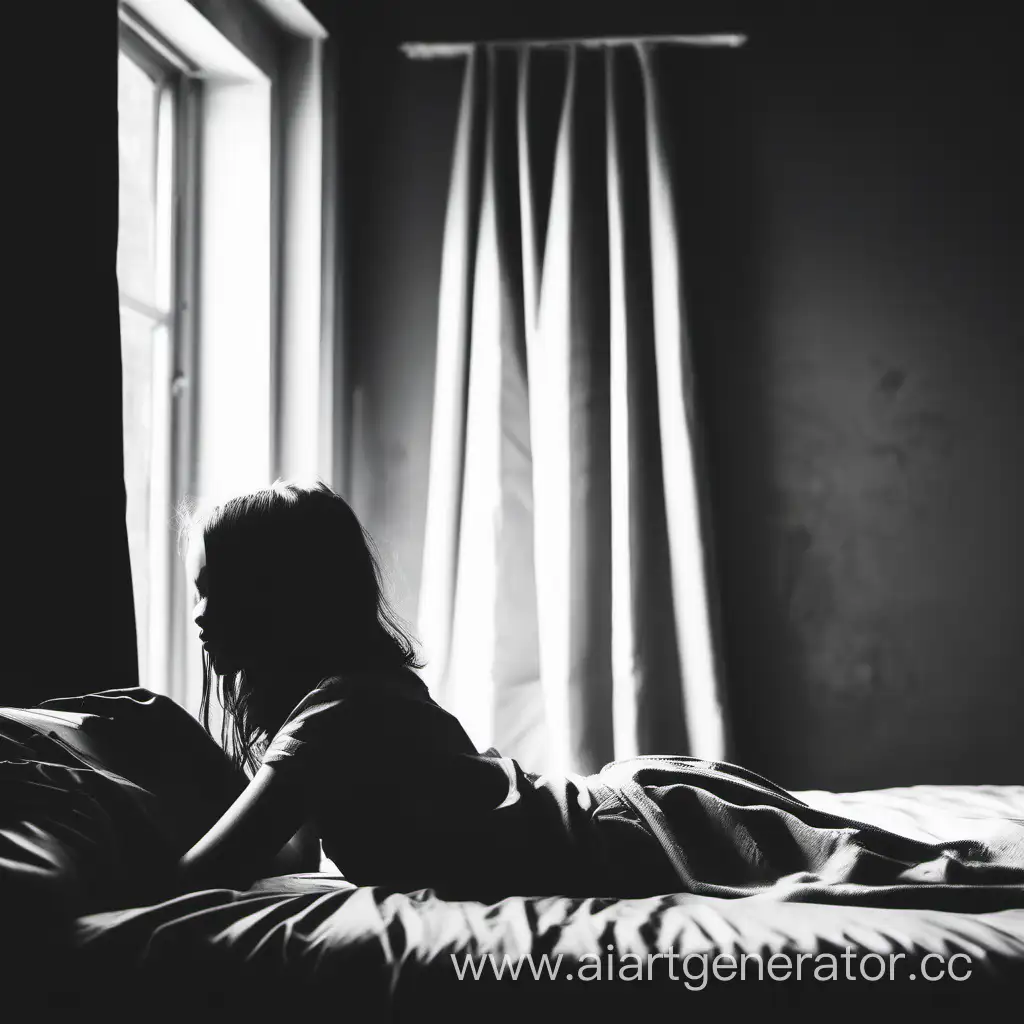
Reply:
x=137, y=98
x=144, y=254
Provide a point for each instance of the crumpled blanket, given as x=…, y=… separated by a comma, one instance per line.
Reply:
x=99, y=796
x=652, y=825
x=73, y=839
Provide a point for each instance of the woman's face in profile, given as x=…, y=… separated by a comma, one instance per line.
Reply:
x=219, y=630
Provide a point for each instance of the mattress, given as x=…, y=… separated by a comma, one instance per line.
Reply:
x=305, y=940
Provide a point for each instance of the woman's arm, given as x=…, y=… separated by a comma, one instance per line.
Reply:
x=241, y=847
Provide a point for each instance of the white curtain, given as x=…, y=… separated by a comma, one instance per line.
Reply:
x=565, y=608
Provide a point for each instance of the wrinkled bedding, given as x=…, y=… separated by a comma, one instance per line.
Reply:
x=315, y=941
x=727, y=832
x=310, y=941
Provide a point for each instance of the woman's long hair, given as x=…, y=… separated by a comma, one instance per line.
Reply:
x=301, y=580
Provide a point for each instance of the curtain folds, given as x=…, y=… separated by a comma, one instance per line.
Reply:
x=565, y=607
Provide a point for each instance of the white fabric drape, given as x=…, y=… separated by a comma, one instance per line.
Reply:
x=564, y=606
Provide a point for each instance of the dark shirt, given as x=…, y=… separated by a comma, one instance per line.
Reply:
x=398, y=792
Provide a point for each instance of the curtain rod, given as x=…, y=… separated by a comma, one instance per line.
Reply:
x=430, y=51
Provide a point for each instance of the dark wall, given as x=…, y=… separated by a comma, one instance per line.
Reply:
x=849, y=205
x=862, y=390
x=69, y=619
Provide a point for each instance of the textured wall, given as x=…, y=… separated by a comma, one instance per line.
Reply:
x=864, y=409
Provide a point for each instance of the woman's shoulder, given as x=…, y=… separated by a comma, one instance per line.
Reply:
x=351, y=690
x=345, y=703
x=370, y=684
x=368, y=710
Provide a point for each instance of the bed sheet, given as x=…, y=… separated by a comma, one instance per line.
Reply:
x=317, y=940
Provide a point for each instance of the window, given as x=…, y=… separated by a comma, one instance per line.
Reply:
x=229, y=362
x=147, y=100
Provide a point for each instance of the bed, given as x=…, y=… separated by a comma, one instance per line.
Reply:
x=300, y=943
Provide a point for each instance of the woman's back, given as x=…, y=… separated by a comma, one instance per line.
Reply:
x=394, y=783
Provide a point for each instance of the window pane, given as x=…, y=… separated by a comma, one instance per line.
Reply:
x=137, y=97
x=144, y=262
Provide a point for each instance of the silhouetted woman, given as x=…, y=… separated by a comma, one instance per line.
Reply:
x=324, y=708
